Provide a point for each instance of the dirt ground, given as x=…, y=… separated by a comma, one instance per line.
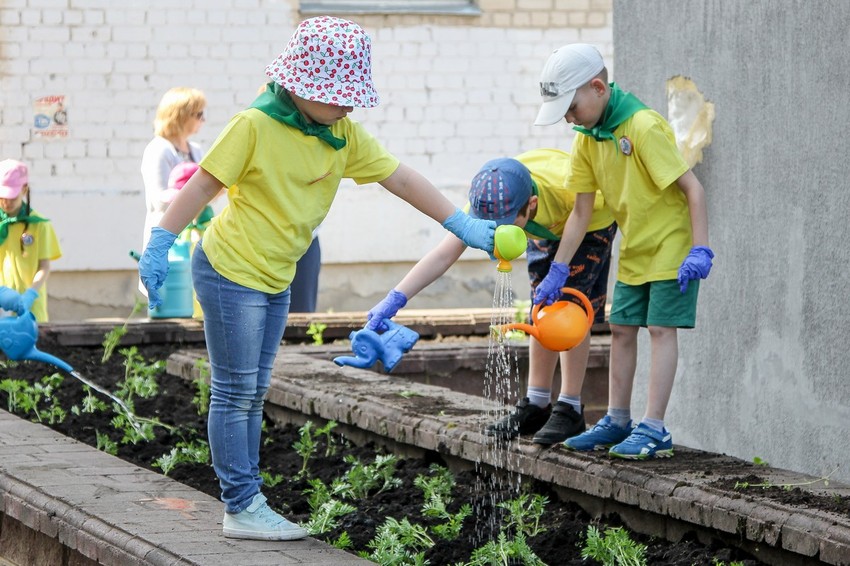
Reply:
x=566, y=523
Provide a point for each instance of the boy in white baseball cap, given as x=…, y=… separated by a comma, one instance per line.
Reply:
x=628, y=152
x=281, y=160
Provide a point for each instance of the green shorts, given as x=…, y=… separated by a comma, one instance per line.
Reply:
x=657, y=303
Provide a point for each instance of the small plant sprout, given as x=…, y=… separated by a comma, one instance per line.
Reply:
x=787, y=486
x=759, y=462
x=112, y=338
x=505, y=551
x=326, y=431
x=195, y=452
x=524, y=514
x=37, y=398
x=407, y=394
x=105, y=444
x=270, y=479
x=364, y=478
x=437, y=491
x=305, y=446
x=399, y=542
x=202, y=386
x=614, y=548
x=317, y=330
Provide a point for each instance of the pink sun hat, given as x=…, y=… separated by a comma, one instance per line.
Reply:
x=328, y=60
x=178, y=177
x=13, y=176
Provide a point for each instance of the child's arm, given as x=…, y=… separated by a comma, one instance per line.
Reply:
x=697, y=264
x=425, y=272
x=41, y=274
x=412, y=187
x=192, y=198
x=190, y=201
x=695, y=194
x=549, y=290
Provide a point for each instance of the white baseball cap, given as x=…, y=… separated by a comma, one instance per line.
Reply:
x=567, y=69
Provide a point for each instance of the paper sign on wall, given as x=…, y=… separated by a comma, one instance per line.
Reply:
x=50, y=117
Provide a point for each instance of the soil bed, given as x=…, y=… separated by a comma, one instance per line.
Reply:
x=566, y=523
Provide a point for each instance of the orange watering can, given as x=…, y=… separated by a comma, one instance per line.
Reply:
x=559, y=326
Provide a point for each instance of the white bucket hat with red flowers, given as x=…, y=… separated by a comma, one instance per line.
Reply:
x=328, y=60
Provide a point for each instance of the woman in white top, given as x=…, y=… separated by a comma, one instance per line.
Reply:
x=179, y=116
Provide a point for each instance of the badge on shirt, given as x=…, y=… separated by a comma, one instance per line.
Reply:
x=626, y=145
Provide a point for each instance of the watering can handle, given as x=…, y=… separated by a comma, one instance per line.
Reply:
x=585, y=301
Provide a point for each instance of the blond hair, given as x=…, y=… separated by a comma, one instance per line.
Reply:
x=176, y=108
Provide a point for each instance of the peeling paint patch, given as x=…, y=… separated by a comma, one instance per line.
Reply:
x=690, y=116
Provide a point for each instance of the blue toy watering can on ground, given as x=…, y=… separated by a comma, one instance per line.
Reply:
x=368, y=346
x=18, y=334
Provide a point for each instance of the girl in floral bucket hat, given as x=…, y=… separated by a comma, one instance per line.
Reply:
x=281, y=161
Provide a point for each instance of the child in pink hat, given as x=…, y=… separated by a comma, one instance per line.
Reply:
x=28, y=242
x=281, y=161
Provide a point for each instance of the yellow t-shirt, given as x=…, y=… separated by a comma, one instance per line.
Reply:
x=19, y=269
x=550, y=169
x=281, y=184
x=639, y=186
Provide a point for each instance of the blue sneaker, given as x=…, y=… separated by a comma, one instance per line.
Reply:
x=644, y=442
x=602, y=435
x=259, y=522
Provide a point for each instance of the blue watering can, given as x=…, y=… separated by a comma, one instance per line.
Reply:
x=18, y=334
x=368, y=346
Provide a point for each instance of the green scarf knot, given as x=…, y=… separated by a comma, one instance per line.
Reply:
x=277, y=104
x=6, y=221
x=621, y=106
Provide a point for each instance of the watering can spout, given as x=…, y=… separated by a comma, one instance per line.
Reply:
x=37, y=355
x=527, y=328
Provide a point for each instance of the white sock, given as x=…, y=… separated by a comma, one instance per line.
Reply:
x=539, y=396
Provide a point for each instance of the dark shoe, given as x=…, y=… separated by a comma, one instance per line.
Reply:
x=564, y=423
x=526, y=419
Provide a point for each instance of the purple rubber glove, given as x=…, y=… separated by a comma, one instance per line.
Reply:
x=696, y=266
x=27, y=299
x=549, y=290
x=153, y=265
x=474, y=232
x=386, y=309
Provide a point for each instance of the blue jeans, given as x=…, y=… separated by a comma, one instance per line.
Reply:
x=243, y=329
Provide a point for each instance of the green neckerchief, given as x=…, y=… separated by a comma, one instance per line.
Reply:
x=6, y=221
x=533, y=227
x=621, y=106
x=277, y=103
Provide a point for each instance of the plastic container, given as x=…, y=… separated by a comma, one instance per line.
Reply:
x=176, y=291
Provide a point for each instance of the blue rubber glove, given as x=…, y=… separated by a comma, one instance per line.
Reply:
x=27, y=299
x=386, y=309
x=153, y=265
x=696, y=266
x=474, y=232
x=549, y=290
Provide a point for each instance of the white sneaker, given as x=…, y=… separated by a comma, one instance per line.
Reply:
x=259, y=522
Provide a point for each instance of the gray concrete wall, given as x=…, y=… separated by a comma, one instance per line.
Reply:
x=765, y=374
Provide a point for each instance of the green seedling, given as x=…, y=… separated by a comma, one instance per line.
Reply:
x=37, y=398
x=112, y=338
x=524, y=514
x=305, y=446
x=326, y=431
x=195, y=452
x=759, y=462
x=437, y=491
x=105, y=444
x=270, y=479
x=407, y=394
x=202, y=387
x=787, y=486
x=505, y=551
x=363, y=479
x=399, y=543
x=343, y=541
x=614, y=548
x=316, y=330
